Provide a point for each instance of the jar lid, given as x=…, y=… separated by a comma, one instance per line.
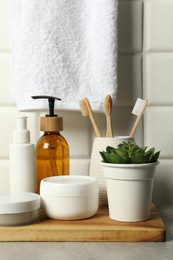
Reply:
x=18, y=202
x=68, y=186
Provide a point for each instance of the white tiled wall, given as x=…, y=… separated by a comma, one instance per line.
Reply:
x=145, y=68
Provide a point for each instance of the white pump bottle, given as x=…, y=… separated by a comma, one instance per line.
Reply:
x=21, y=159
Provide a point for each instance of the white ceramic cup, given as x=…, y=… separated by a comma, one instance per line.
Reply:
x=96, y=169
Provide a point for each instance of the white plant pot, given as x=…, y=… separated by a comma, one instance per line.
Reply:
x=96, y=169
x=129, y=189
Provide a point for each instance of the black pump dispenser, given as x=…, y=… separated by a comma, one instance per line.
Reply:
x=51, y=101
x=50, y=123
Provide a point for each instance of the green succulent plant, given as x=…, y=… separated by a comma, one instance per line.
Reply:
x=129, y=153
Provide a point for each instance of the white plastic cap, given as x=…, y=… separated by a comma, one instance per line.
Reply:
x=69, y=186
x=21, y=134
x=18, y=202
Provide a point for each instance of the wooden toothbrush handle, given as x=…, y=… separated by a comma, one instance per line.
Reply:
x=135, y=126
x=92, y=118
x=137, y=121
x=109, y=132
x=96, y=129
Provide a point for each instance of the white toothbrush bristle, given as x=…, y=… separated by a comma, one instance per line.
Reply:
x=137, y=107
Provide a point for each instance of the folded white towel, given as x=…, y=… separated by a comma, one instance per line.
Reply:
x=64, y=48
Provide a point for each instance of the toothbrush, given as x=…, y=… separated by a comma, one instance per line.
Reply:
x=86, y=110
x=108, y=112
x=138, y=110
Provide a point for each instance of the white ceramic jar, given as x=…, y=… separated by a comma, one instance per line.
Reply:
x=69, y=197
x=19, y=208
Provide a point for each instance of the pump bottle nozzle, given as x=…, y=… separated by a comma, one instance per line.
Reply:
x=21, y=133
x=51, y=122
x=51, y=101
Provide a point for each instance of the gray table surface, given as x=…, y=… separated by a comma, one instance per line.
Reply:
x=94, y=250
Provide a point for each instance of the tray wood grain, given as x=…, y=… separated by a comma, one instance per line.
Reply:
x=98, y=228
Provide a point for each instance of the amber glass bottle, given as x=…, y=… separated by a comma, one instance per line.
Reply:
x=52, y=150
x=52, y=156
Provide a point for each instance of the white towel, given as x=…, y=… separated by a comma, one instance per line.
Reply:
x=64, y=48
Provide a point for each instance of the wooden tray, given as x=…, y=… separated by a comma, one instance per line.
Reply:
x=98, y=228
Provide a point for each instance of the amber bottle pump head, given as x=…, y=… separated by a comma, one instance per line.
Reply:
x=51, y=122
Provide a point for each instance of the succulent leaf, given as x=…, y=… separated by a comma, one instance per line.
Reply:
x=129, y=152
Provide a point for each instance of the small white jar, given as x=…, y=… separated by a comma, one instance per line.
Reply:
x=69, y=197
x=19, y=208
